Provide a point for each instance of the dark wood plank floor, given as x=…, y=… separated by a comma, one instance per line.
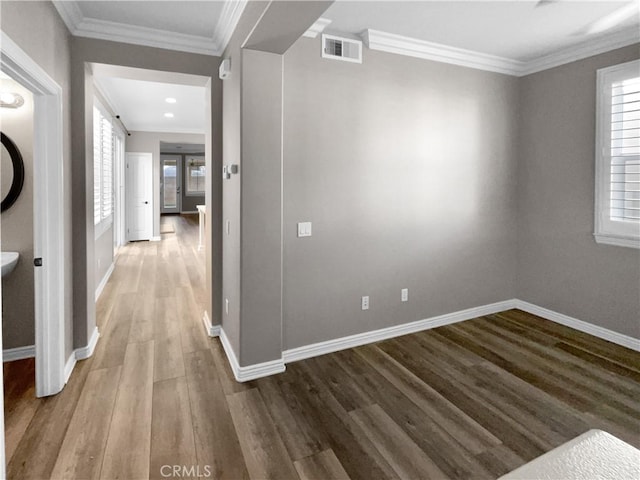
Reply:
x=467, y=401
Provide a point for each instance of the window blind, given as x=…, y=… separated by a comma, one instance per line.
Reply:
x=103, y=162
x=97, y=166
x=625, y=150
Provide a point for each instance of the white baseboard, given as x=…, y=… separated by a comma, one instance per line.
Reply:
x=329, y=346
x=189, y=212
x=104, y=281
x=80, y=354
x=212, y=330
x=156, y=239
x=252, y=372
x=18, y=353
x=69, y=366
x=86, y=352
x=316, y=349
x=591, y=329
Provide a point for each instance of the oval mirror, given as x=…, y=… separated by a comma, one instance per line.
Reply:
x=11, y=172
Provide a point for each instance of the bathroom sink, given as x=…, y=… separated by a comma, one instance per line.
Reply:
x=9, y=261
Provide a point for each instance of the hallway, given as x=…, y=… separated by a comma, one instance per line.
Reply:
x=128, y=410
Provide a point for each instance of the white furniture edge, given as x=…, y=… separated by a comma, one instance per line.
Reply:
x=252, y=372
x=49, y=214
x=18, y=353
x=104, y=280
x=80, y=26
x=212, y=330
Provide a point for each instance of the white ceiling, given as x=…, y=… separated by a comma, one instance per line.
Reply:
x=191, y=26
x=519, y=30
x=141, y=104
x=515, y=37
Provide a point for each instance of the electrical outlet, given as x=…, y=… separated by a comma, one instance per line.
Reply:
x=226, y=306
x=365, y=302
x=404, y=294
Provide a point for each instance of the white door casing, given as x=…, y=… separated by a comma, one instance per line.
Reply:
x=139, y=192
x=49, y=215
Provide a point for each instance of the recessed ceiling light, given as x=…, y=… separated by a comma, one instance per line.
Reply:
x=168, y=115
x=170, y=100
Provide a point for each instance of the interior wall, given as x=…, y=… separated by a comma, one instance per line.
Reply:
x=407, y=169
x=37, y=29
x=560, y=266
x=18, y=309
x=86, y=51
x=231, y=188
x=150, y=142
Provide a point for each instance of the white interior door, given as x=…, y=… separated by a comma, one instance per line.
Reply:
x=139, y=187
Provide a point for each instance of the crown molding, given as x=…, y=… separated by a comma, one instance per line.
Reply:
x=388, y=42
x=81, y=26
x=317, y=28
x=231, y=13
x=412, y=47
x=595, y=46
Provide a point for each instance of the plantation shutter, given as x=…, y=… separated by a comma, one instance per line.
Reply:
x=625, y=150
x=97, y=166
x=107, y=168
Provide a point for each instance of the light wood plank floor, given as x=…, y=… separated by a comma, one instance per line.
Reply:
x=471, y=401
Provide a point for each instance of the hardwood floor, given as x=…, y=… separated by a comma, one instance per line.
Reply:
x=471, y=401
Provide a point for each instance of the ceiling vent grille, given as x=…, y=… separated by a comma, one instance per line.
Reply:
x=340, y=48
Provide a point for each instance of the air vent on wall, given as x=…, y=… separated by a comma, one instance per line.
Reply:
x=340, y=48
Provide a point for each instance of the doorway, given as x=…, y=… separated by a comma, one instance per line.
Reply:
x=49, y=218
x=170, y=183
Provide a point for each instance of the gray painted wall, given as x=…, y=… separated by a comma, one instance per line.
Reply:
x=231, y=152
x=38, y=30
x=18, y=310
x=261, y=177
x=407, y=169
x=84, y=52
x=560, y=266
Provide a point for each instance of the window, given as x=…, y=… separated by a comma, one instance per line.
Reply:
x=195, y=170
x=617, y=209
x=104, y=146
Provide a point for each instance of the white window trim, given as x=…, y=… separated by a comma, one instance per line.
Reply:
x=607, y=231
x=187, y=193
x=105, y=223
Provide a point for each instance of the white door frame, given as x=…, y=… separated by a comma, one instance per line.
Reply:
x=179, y=182
x=49, y=215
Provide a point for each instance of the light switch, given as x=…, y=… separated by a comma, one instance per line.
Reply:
x=304, y=229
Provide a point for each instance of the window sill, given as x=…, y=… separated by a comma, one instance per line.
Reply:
x=617, y=240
